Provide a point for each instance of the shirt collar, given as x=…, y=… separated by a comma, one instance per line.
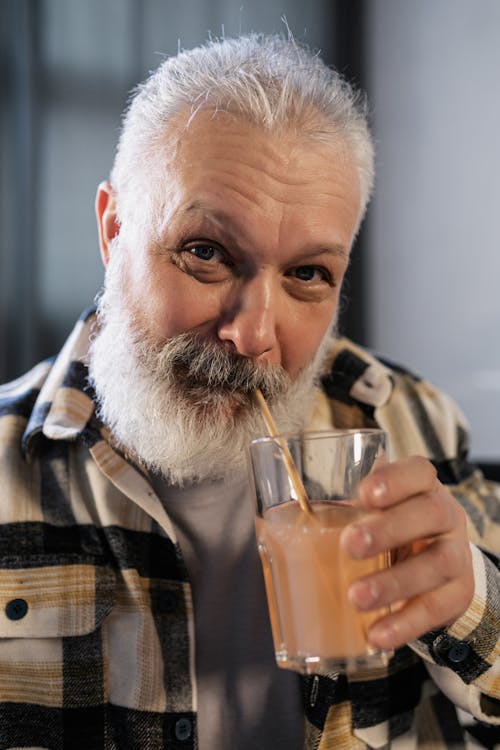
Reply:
x=356, y=375
x=65, y=402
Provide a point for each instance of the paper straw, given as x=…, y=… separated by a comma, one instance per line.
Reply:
x=287, y=457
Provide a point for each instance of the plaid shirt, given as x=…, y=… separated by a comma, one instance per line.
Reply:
x=96, y=618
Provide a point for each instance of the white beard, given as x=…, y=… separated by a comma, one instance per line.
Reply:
x=184, y=409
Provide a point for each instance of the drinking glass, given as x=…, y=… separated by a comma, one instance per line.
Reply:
x=307, y=575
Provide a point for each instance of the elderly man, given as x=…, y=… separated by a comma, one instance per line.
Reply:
x=133, y=609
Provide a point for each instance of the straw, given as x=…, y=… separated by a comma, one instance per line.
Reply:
x=287, y=457
x=329, y=583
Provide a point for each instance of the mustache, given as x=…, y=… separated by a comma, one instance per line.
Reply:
x=196, y=364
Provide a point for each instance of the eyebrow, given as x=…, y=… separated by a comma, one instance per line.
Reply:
x=225, y=221
x=215, y=216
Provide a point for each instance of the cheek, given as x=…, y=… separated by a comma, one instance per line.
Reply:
x=303, y=336
x=168, y=302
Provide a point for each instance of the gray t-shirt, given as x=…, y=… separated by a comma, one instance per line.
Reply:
x=244, y=700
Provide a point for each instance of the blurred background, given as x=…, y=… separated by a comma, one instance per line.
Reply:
x=424, y=281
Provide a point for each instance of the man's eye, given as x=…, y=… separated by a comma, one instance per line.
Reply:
x=206, y=261
x=311, y=273
x=205, y=252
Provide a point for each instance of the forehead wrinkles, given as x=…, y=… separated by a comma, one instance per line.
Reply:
x=226, y=143
x=292, y=181
x=222, y=183
x=217, y=156
x=251, y=168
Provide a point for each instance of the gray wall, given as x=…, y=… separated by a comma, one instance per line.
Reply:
x=434, y=254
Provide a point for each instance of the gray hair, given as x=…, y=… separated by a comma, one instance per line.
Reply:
x=272, y=82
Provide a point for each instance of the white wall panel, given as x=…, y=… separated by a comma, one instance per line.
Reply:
x=434, y=251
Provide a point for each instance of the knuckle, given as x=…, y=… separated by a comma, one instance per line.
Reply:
x=447, y=559
x=461, y=517
x=432, y=605
x=444, y=605
x=439, y=509
x=427, y=471
x=393, y=589
x=389, y=536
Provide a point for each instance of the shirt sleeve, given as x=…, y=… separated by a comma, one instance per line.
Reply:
x=463, y=659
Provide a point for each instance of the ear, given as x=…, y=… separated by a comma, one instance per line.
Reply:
x=107, y=222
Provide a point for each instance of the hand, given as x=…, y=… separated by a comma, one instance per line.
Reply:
x=431, y=582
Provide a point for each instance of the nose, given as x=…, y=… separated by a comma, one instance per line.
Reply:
x=249, y=322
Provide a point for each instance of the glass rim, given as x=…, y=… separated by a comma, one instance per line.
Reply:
x=318, y=434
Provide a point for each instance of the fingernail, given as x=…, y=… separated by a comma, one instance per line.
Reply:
x=383, y=636
x=379, y=491
x=357, y=540
x=363, y=594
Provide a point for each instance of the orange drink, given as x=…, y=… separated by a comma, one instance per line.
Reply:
x=307, y=575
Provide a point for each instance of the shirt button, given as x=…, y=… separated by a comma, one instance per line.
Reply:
x=16, y=609
x=442, y=647
x=458, y=653
x=183, y=729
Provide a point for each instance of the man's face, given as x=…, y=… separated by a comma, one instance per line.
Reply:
x=255, y=238
x=236, y=291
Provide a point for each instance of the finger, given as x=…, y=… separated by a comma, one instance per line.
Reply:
x=420, y=517
x=436, y=609
x=439, y=563
x=392, y=483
